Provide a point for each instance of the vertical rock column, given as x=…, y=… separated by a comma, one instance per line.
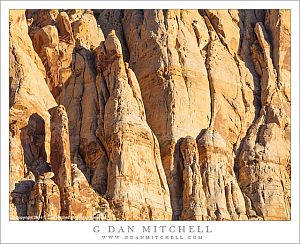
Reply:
x=137, y=186
x=60, y=155
x=224, y=197
x=78, y=200
x=194, y=199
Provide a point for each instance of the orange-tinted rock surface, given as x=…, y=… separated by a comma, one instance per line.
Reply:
x=150, y=114
x=136, y=183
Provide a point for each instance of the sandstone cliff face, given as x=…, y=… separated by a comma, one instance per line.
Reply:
x=136, y=182
x=30, y=99
x=39, y=143
x=265, y=155
x=163, y=114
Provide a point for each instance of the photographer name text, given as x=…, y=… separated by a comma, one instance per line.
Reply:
x=153, y=229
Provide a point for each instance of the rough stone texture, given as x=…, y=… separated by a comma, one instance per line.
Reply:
x=75, y=88
x=194, y=200
x=86, y=204
x=224, y=198
x=172, y=81
x=278, y=22
x=78, y=200
x=20, y=197
x=213, y=86
x=44, y=200
x=30, y=134
x=137, y=186
x=264, y=162
x=30, y=99
x=46, y=41
x=60, y=155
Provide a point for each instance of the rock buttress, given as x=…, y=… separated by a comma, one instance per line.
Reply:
x=136, y=183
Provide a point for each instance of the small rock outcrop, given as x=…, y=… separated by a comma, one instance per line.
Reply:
x=44, y=200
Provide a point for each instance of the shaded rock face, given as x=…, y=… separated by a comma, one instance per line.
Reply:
x=150, y=114
x=43, y=185
x=44, y=200
x=30, y=99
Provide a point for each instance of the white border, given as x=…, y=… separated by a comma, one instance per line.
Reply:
x=81, y=232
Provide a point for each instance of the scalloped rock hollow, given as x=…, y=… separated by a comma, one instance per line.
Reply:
x=150, y=114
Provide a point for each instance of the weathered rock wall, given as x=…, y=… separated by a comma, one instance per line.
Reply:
x=164, y=114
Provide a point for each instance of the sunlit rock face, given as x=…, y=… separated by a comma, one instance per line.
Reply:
x=150, y=114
